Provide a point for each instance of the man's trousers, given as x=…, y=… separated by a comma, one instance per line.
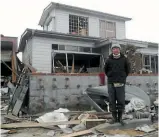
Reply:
x=116, y=98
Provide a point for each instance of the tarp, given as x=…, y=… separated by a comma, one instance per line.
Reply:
x=130, y=92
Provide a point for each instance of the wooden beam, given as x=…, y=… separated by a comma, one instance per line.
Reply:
x=35, y=125
x=13, y=69
x=73, y=64
x=67, y=63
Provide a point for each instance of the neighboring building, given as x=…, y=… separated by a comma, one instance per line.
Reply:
x=78, y=38
x=8, y=52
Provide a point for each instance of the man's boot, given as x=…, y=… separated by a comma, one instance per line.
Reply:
x=120, y=120
x=114, y=119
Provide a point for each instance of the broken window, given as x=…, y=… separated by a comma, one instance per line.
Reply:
x=78, y=25
x=55, y=46
x=150, y=62
x=107, y=29
x=75, y=63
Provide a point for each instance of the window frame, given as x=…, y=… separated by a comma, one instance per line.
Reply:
x=85, y=26
x=105, y=29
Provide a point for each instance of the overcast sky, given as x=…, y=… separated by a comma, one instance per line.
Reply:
x=17, y=15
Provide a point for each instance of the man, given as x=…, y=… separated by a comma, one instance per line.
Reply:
x=117, y=69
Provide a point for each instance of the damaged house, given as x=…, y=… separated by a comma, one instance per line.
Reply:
x=9, y=47
x=78, y=40
x=69, y=54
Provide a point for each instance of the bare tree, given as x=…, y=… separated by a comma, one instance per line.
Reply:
x=134, y=58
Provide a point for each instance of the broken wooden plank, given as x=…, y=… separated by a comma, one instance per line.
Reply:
x=12, y=118
x=80, y=70
x=19, y=101
x=73, y=64
x=88, y=131
x=90, y=123
x=34, y=125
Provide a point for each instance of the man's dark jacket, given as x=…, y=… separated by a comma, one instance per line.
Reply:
x=117, y=69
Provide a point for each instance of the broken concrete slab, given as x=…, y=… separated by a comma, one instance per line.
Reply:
x=145, y=128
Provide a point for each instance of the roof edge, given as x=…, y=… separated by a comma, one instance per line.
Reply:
x=34, y=32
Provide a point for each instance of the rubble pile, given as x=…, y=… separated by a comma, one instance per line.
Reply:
x=66, y=123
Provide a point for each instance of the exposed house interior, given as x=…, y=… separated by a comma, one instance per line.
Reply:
x=75, y=62
x=8, y=63
x=151, y=62
x=6, y=54
x=74, y=59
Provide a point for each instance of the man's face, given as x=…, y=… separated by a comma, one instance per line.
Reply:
x=116, y=50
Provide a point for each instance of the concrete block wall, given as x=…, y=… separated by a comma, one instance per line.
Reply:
x=48, y=92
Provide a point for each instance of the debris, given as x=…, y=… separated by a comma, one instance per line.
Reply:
x=51, y=133
x=4, y=108
x=4, y=90
x=90, y=123
x=2, y=131
x=55, y=116
x=33, y=124
x=67, y=130
x=130, y=92
x=12, y=131
x=128, y=116
x=156, y=102
x=79, y=127
x=84, y=132
x=129, y=124
x=121, y=133
x=135, y=104
x=118, y=135
x=87, y=116
x=92, y=102
x=145, y=128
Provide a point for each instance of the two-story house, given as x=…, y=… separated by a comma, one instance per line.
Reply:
x=75, y=39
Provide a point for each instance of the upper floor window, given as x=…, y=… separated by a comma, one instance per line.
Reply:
x=107, y=29
x=78, y=25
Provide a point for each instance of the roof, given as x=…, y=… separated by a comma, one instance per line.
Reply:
x=53, y=5
x=9, y=40
x=148, y=51
x=138, y=43
x=28, y=33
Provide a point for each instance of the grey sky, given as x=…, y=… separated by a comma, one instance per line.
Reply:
x=17, y=15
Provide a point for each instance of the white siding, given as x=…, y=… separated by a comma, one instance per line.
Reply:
x=93, y=26
x=27, y=53
x=62, y=21
x=45, y=27
x=51, y=41
x=42, y=48
x=41, y=55
x=120, y=30
x=51, y=25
